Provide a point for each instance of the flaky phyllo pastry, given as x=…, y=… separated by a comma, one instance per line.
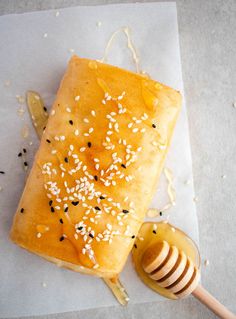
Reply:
x=97, y=167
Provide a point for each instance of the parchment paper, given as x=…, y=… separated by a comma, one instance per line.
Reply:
x=34, y=49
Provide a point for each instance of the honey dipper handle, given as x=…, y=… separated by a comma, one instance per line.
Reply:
x=213, y=304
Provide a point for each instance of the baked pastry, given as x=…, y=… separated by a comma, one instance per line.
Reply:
x=97, y=167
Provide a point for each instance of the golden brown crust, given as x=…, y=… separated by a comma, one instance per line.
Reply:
x=124, y=121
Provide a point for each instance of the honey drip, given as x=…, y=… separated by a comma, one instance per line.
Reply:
x=130, y=46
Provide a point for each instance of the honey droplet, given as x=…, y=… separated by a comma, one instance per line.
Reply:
x=93, y=65
x=150, y=99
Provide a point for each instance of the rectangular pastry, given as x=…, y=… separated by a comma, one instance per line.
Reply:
x=97, y=167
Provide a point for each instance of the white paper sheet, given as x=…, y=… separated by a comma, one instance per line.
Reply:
x=32, y=60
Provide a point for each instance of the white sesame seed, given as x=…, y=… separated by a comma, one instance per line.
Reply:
x=39, y=235
x=154, y=143
x=76, y=132
x=71, y=147
x=130, y=125
x=53, y=112
x=77, y=98
x=135, y=130
x=62, y=138
x=86, y=134
x=97, y=166
x=68, y=110
x=109, y=132
x=108, y=139
x=143, y=130
x=82, y=149
x=96, y=160
x=86, y=120
x=206, y=262
x=53, y=151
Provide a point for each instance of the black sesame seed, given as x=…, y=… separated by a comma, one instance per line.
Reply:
x=133, y=237
x=125, y=211
x=1, y=172
x=102, y=197
x=45, y=109
x=80, y=228
x=48, y=141
x=89, y=144
x=22, y=210
x=66, y=209
x=160, y=213
x=75, y=203
x=97, y=208
x=153, y=125
x=90, y=235
x=50, y=203
x=24, y=150
x=123, y=165
x=61, y=220
x=20, y=154
x=135, y=246
x=52, y=209
x=62, y=238
x=71, y=122
x=66, y=159
x=44, y=128
x=154, y=232
x=95, y=177
x=25, y=164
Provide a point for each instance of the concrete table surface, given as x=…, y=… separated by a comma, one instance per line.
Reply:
x=208, y=51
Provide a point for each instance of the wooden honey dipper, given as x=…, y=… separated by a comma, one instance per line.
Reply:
x=175, y=271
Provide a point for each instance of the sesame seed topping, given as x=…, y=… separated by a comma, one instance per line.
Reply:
x=52, y=209
x=48, y=141
x=123, y=165
x=71, y=122
x=135, y=246
x=95, y=177
x=50, y=203
x=66, y=159
x=61, y=220
x=68, y=110
x=125, y=211
x=97, y=208
x=20, y=154
x=89, y=144
x=133, y=237
x=75, y=203
x=86, y=120
x=135, y=130
x=153, y=125
x=22, y=210
x=66, y=209
x=82, y=149
x=62, y=238
x=76, y=132
x=93, y=113
x=77, y=98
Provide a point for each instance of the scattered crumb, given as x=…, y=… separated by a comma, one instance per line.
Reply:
x=223, y=176
x=20, y=99
x=234, y=104
x=1, y=188
x=99, y=23
x=44, y=284
x=187, y=182
x=45, y=35
x=21, y=111
x=57, y=14
x=7, y=83
x=30, y=143
x=25, y=131
x=127, y=299
x=206, y=262
x=195, y=199
x=71, y=50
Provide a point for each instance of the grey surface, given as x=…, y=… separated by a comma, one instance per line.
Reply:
x=208, y=51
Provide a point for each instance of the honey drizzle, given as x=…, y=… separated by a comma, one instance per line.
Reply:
x=130, y=46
